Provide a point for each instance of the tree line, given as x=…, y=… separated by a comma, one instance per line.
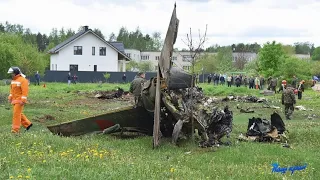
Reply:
x=13, y=37
x=275, y=60
x=296, y=48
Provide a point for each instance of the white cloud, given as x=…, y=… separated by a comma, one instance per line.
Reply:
x=229, y=21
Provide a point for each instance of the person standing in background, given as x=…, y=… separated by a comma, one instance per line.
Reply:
x=37, y=77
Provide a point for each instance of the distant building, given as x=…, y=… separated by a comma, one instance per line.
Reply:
x=180, y=59
x=86, y=51
x=303, y=56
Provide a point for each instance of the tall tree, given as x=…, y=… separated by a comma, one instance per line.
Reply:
x=2, y=28
x=270, y=58
x=316, y=54
x=70, y=33
x=62, y=35
x=224, y=59
x=98, y=32
x=40, y=43
x=112, y=37
x=303, y=47
x=288, y=49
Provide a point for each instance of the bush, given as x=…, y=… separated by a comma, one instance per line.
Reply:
x=294, y=66
x=107, y=76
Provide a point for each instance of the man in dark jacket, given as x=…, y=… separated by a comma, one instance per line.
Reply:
x=135, y=88
x=222, y=80
x=238, y=81
x=124, y=78
x=209, y=78
x=261, y=82
x=251, y=82
x=37, y=77
x=288, y=100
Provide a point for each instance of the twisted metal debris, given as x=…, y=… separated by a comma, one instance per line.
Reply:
x=212, y=122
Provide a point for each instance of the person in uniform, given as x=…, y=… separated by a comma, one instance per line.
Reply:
x=288, y=100
x=294, y=82
x=18, y=98
x=135, y=88
x=273, y=84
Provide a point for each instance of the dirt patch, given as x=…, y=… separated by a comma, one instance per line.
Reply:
x=44, y=118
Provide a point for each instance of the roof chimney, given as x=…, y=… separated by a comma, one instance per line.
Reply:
x=86, y=28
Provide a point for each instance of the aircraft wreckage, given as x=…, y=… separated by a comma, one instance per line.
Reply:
x=171, y=106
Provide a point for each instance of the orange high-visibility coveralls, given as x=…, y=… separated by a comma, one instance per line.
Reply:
x=18, y=97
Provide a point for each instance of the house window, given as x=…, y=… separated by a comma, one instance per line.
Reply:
x=186, y=58
x=73, y=67
x=158, y=58
x=95, y=68
x=77, y=50
x=102, y=51
x=129, y=55
x=186, y=68
x=93, y=51
x=56, y=67
x=174, y=58
x=144, y=57
x=52, y=67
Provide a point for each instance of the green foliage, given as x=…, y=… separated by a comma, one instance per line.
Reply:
x=207, y=62
x=316, y=54
x=289, y=49
x=236, y=47
x=145, y=66
x=224, y=59
x=106, y=76
x=37, y=151
x=15, y=52
x=315, y=70
x=303, y=47
x=136, y=40
x=294, y=66
x=252, y=67
x=270, y=58
x=132, y=66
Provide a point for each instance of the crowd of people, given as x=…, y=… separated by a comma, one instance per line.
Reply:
x=258, y=82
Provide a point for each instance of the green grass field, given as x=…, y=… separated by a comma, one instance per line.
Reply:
x=38, y=154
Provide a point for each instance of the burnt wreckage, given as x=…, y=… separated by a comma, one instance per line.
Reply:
x=170, y=102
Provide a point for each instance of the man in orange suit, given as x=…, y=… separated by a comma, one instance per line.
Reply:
x=18, y=98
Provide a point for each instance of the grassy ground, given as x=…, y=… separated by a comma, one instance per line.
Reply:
x=40, y=155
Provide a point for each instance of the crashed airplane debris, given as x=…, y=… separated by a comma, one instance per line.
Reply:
x=110, y=94
x=263, y=130
x=169, y=100
x=252, y=99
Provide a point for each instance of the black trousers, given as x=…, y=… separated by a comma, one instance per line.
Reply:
x=299, y=95
x=251, y=86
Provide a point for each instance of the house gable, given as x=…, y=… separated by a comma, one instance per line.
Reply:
x=117, y=46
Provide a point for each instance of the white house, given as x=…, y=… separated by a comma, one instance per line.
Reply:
x=86, y=51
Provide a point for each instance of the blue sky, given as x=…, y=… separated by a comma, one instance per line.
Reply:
x=229, y=21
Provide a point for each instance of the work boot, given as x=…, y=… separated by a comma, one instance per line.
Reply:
x=29, y=127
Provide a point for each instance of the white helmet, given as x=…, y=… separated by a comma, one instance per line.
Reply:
x=16, y=71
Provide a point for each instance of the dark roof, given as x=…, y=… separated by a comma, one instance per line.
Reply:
x=59, y=46
x=118, y=46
